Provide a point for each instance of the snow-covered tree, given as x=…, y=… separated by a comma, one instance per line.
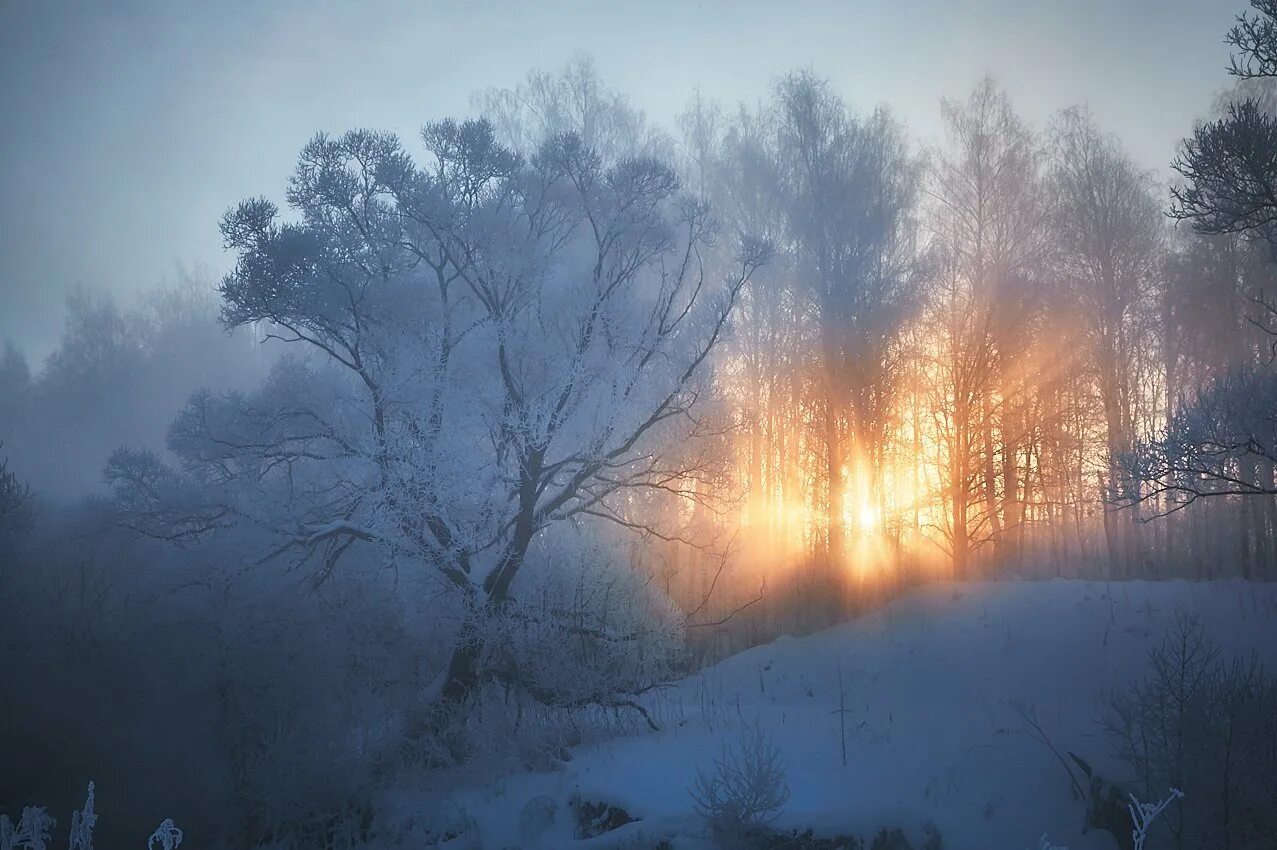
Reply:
x=1220, y=446
x=490, y=344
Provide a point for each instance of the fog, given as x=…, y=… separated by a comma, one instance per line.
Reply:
x=639, y=426
x=130, y=126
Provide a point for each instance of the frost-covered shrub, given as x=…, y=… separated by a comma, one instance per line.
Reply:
x=166, y=836
x=31, y=833
x=1144, y=815
x=1208, y=727
x=34, y=827
x=746, y=788
x=82, y=823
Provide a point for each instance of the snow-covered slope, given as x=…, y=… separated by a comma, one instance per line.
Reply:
x=933, y=735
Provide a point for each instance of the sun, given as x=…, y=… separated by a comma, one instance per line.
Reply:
x=863, y=517
x=867, y=518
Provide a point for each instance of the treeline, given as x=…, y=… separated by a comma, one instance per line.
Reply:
x=957, y=354
x=117, y=376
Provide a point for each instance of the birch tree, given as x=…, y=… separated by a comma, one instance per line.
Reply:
x=1108, y=227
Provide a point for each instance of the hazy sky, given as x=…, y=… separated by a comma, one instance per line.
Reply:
x=128, y=127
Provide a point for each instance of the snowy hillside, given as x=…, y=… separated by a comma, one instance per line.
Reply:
x=931, y=682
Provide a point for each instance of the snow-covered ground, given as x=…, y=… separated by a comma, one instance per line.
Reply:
x=931, y=681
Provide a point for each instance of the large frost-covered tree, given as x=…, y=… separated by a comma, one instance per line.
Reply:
x=492, y=344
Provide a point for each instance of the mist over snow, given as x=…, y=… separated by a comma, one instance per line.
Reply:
x=645, y=426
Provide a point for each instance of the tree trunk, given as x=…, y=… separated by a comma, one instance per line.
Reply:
x=990, y=474
x=834, y=485
x=462, y=676
x=958, y=473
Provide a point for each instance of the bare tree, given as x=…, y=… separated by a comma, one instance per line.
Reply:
x=739, y=167
x=16, y=502
x=851, y=185
x=1255, y=37
x=493, y=345
x=572, y=99
x=1229, y=165
x=1108, y=227
x=989, y=225
x=1216, y=437
x=1230, y=171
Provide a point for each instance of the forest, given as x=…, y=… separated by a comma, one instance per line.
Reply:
x=558, y=476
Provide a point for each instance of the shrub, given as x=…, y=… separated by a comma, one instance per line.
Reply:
x=1208, y=727
x=35, y=825
x=746, y=789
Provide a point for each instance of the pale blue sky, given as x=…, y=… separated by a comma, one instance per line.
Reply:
x=128, y=126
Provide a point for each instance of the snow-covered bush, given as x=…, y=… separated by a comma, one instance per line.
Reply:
x=166, y=836
x=82, y=823
x=746, y=788
x=34, y=827
x=31, y=833
x=1206, y=726
x=1143, y=815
